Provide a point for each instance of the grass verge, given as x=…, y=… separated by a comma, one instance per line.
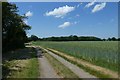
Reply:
x=85, y=67
x=61, y=69
x=21, y=63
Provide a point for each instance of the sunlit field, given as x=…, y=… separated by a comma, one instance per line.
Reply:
x=101, y=53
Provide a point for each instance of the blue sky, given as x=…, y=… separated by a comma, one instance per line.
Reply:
x=71, y=18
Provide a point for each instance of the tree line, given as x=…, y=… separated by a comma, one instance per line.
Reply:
x=71, y=38
x=13, y=27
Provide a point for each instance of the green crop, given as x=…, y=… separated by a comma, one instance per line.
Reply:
x=101, y=53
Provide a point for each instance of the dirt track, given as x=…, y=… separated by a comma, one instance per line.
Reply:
x=79, y=72
x=46, y=70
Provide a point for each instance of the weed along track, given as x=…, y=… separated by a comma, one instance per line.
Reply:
x=100, y=71
x=76, y=70
x=51, y=68
x=96, y=57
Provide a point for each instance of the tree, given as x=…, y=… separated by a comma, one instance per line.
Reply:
x=75, y=38
x=109, y=39
x=118, y=39
x=34, y=38
x=13, y=27
x=104, y=39
x=113, y=39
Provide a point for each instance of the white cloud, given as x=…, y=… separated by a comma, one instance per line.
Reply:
x=98, y=7
x=60, y=12
x=79, y=4
x=90, y=4
x=75, y=22
x=28, y=14
x=64, y=25
x=77, y=15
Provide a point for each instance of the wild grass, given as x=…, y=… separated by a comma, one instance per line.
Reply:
x=88, y=67
x=21, y=63
x=61, y=69
x=100, y=53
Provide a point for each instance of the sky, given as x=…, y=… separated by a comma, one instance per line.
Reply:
x=48, y=19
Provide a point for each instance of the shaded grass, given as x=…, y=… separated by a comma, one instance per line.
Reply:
x=61, y=69
x=21, y=63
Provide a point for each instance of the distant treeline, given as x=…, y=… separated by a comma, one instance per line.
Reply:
x=71, y=38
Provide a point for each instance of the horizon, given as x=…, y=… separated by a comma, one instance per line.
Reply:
x=99, y=19
x=76, y=35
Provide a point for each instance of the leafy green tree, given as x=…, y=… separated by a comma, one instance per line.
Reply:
x=33, y=38
x=104, y=39
x=113, y=39
x=118, y=39
x=13, y=27
x=109, y=39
